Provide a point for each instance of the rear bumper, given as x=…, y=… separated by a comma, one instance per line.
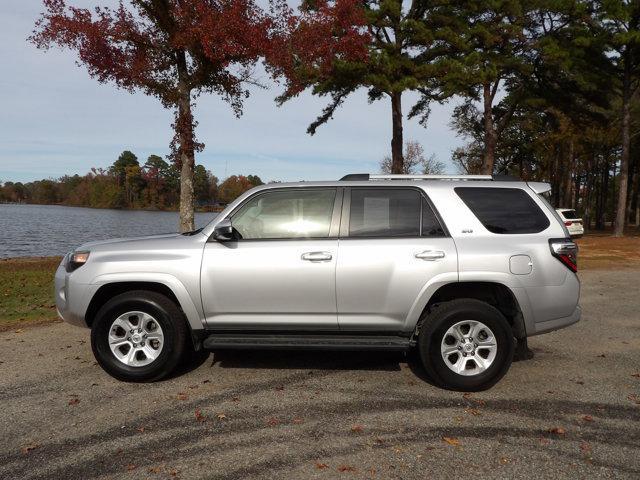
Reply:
x=557, y=323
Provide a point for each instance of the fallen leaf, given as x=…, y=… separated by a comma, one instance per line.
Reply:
x=131, y=466
x=357, y=428
x=154, y=469
x=297, y=420
x=173, y=472
x=346, y=468
x=183, y=396
x=321, y=466
x=637, y=375
x=273, y=421
x=199, y=416
x=451, y=441
x=585, y=447
x=504, y=460
x=544, y=441
x=221, y=416
x=473, y=411
x=557, y=430
x=634, y=398
x=141, y=429
x=27, y=448
x=587, y=418
x=74, y=401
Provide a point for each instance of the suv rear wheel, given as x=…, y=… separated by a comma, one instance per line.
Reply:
x=466, y=345
x=139, y=336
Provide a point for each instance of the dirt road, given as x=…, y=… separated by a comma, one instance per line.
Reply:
x=573, y=411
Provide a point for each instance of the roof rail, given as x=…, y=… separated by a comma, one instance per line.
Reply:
x=365, y=177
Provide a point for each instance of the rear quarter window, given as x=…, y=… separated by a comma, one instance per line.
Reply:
x=504, y=210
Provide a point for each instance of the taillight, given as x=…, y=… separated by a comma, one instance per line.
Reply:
x=568, y=224
x=565, y=250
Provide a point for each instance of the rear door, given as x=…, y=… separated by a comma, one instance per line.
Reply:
x=391, y=245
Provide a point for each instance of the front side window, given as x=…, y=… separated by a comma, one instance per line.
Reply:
x=504, y=210
x=389, y=212
x=281, y=214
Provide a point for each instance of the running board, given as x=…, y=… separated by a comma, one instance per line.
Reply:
x=221, y=341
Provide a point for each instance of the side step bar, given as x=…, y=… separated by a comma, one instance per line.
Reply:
x=235, y=341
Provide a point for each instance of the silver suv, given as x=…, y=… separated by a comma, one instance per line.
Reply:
x=458, y=269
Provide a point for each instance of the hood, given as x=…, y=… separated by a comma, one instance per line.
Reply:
x=131, y=241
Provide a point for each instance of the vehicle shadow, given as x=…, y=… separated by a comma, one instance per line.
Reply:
x=313, y=360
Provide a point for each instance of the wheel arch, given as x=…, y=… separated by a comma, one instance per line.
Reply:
x=171, y=288
x=496, y=294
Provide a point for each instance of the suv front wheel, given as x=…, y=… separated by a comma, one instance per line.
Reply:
x=465, y=344
x=139, y=336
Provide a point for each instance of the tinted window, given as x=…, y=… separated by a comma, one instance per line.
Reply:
x=430, y=225
x=570, y=214
x=294, y=213
x=385, y=212
x=504, y=210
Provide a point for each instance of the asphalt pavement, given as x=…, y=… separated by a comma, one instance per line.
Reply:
x=571, y=412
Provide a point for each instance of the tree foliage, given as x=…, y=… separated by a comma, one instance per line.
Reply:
x=127, y=184
x=174, y=50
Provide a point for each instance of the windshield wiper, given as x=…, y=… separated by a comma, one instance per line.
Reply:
x=192, y=232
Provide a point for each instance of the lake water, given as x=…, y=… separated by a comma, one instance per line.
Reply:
x=47, y=230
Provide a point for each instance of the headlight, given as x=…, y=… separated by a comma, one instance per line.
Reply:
x=76, y=260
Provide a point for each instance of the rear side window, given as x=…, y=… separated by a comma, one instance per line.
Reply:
x=569, y=214
x=388, y=212
x=504, y=210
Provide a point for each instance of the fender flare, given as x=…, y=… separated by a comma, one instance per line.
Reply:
x=430, y=288
x=192, y=313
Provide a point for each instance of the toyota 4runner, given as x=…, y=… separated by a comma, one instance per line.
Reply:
x=458, y=269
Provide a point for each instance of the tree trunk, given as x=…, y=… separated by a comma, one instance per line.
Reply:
x=397, y=159
x=621, y=211
x=184, y=125
x=632, y=198
x=490, y=135
x=566, y=190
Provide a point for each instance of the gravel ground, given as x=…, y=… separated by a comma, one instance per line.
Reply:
x=572, y=411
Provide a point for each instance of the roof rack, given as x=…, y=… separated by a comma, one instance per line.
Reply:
x=367, y=177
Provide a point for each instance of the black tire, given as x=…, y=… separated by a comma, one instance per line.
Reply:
x=168, y=316
x=432, y=332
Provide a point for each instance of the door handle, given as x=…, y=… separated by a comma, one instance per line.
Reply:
x=316, y=256
x=430, y=255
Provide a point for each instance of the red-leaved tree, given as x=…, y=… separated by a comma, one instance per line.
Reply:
x=174, y=50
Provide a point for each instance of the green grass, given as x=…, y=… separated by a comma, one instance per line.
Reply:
x=26, y=291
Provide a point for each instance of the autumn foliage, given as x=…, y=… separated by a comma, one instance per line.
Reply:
x=173, y=50
x=324, y=36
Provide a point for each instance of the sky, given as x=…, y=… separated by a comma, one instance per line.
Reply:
x=56, y=120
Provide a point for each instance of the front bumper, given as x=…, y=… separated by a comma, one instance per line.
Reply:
x=72, y=298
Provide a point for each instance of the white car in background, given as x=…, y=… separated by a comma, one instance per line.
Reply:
x=572, y=221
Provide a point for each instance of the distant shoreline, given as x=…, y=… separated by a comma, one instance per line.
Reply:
x=205, y=209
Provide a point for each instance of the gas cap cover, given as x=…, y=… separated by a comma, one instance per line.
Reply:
x=520, y=264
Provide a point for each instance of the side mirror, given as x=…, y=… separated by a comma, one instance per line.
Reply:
x=223, y=231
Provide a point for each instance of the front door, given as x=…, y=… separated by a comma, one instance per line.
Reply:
x=391, y=247
x=279, y=271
